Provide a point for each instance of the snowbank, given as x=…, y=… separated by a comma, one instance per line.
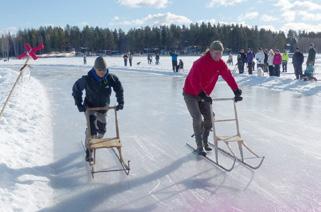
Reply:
x=25, y=144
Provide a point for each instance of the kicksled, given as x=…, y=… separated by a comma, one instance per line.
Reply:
x=227, y=140
x=113, y=143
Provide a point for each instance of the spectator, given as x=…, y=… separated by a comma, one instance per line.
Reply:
x=297, y=61
x=285, y=58
x=270, y=62
x=277, y=60
x=174, y=61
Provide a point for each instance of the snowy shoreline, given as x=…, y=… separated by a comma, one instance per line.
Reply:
x=26, y=145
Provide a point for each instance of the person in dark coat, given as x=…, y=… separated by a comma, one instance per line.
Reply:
x=125, y=59
x=297, y=60
x=97, y=84
x=157, y=58
x=250, y=57
x=311, y=55
x=241, y=60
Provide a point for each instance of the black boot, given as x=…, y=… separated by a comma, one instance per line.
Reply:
x=200, y=151
x=89, y=157
x=207, y=147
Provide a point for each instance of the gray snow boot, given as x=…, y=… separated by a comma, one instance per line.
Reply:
x=199, y=143
x=205, y=140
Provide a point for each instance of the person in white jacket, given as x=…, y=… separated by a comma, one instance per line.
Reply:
x=259, y=56
x=270, y=62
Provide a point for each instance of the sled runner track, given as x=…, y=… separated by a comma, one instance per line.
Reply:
x=213, y=161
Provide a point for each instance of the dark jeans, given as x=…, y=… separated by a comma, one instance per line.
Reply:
x=284, y=66
x=271, y=71
x=174, y=66
x=277, y=70
x=298, y=71
x=240, y=66
x=250, y=67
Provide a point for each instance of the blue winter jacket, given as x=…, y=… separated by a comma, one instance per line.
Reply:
x=98, y=90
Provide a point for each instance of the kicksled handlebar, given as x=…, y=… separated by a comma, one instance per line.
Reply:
x=223, y=99
x=100, y=108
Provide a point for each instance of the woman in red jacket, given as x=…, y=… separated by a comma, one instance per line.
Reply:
x=198, y=86
x=277, y=62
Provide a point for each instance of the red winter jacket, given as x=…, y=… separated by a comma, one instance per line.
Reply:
x=204, y=75
x=277, y=60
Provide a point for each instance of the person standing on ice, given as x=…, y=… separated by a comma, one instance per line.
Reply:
x=277, y=61
x=130, y=59
x=285, y=58
x=297, y=61
x=125, y=57
x=260, y=56
x=198, y=86
x=174, y=61
x=250, y=57
x=241, y=60
x=311, y=55
x=270, y=62
x=97, y=84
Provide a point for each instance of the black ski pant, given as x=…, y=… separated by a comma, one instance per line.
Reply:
x=250, y=67
x=198, y=108
x=277, y=70
x=284, y=66
x=271, y=71
x=174, y=66
x=240, y=66
x=298, y=71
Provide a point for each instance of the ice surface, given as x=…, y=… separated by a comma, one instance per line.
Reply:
x=279, y=118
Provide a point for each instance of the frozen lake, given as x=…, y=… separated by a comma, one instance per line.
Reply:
x=279, y=118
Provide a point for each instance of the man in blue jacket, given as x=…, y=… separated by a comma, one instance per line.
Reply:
x=174, y=61
x=97, y=84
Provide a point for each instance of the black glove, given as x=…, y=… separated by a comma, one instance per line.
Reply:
x=205, y=98
x=81, y=108
x=119, y=107
x=238, y=93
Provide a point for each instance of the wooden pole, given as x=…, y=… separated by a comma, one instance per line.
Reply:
x=14, y=85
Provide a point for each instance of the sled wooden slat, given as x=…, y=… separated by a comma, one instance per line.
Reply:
x=235, y=138
x=104, y=143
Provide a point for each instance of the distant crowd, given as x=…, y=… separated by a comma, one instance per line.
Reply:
x=177, y=65
x=266, y=61
x=270, y=61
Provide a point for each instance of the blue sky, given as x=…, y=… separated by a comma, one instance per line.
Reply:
x=125, y=14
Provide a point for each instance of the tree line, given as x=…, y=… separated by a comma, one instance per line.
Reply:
x=194, y=38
